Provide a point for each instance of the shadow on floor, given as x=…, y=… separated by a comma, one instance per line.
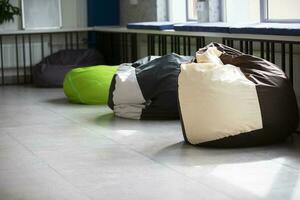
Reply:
x=114, y=122
x=195, y=155
x=59, y=101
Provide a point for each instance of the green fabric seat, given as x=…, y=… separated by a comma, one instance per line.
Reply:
x=89, y=85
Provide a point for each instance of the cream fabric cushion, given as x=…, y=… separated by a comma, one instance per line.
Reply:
x=216, y=100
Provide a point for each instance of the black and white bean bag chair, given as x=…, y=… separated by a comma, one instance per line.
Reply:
x=231, y=99
x=148, y=88
x=50, y=72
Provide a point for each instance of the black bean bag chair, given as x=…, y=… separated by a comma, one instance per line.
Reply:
x=147, y=89
x=231, y=99
x=50, y=72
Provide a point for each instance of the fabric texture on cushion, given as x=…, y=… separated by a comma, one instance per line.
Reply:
x=51, y=71
x=276, y=97
x=89, y=85
x=127, y=96
x=153, y=77
x=224, y=102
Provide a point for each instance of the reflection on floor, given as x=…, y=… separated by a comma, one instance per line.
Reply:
x=50, y=149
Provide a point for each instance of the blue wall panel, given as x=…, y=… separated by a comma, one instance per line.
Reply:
x=103, y=12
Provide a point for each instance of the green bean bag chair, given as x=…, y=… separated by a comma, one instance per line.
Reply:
x=89, y=85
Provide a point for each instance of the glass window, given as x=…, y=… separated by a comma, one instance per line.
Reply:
x=270, y=11
x=279, y=10
x=191, y=10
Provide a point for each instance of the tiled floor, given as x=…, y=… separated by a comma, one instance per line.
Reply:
x=51, y=149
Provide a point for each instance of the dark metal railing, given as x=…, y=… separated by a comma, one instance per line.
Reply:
x=163, y=44
x=22, y=44
x=117, y=47
x=121, y=47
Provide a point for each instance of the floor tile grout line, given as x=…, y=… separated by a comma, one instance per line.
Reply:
x=287, y=165
x=178, y=172
x=134, y=150
x=63, y=116
x=279, y=162
x=166, y=166
x=127, y=146
x=48, y=165
x=182, y=174
x=149, y=157
x=36, y=125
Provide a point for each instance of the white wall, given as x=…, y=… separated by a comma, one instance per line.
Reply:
x=74, y=14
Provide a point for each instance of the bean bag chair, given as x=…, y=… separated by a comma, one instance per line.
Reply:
x=231, y=99
x=50, y=72
x=147, y=89
x=89, y=85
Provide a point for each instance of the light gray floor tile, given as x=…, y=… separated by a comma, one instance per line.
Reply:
x=287, y=154
x=36, y=185
x=58, y=137
x=27, y=95
x=14, y=156
x=12, y=116
x=152, y=186
x=51, y=149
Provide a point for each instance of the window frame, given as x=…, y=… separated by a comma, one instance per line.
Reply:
x=187, y=12
x=222, y=11
x=264, y=15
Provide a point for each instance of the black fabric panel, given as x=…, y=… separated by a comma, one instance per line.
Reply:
x=50, y=72
x=164, y=106
x=276, y=97
x=160, y=75
x=112, y=87
x=182, y=123
x=158, y=80
x=49, y=75
x=143, y=61
x=113, y=82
